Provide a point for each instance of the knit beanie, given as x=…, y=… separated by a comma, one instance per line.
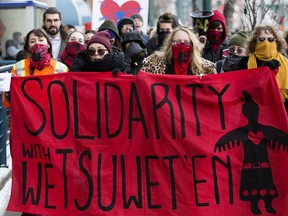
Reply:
x=109, y=25
x=102, y=37
x=138, y=16
x=239, y=38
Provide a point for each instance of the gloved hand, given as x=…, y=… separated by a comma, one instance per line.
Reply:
x=273, y=64
x=133, y=50
x=116, y=71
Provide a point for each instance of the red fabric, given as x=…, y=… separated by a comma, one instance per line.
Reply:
x=40, y=58
x=172, y=145
x=70, y=52
x=181, y=55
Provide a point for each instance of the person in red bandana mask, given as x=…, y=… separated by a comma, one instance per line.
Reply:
x=39, y=61
x=216, y=38
x=180, y=55
x=75, y=44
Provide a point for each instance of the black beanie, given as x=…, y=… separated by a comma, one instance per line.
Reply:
x=102, y=37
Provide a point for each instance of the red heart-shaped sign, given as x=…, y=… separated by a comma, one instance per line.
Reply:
x=111, y=10
x=256, y=138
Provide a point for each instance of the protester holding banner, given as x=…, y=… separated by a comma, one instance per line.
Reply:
x=216, y=36
x=110, y=27
x=135, y=51
x=99, y=56
x=265, y=48
x=40, y=61
x=165, y=24
x=236, y=50
x=180, y=55
x=74, y=45
x=38, y=48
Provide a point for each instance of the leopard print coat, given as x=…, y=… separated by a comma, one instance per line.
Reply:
x=156, y=64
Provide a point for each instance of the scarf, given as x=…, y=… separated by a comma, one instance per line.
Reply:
x=111, y=61
x=161, y=37
x=233, y=59
x=266, y=51
x=40, y=57
x=215, y=39
x=181, y=55
x=70, y=52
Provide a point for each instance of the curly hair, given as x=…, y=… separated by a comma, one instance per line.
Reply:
x=195, y=57
x=252, y=40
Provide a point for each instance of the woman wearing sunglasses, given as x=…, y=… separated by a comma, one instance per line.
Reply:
x=265, y=48
x=236, y=50
x=99, y=56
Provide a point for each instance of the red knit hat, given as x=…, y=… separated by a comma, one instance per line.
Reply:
x=101, y=37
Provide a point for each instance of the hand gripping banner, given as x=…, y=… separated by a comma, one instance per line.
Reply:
x=93, y=144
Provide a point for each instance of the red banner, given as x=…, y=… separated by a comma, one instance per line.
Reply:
x=93, y=144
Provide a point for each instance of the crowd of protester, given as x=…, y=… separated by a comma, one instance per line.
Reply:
x=171, y=49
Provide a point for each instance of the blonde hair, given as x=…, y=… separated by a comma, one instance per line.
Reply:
x=195, y=57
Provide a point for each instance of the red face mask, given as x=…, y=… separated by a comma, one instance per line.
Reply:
x=40, y=57
x=181, y=53
x=215, y=36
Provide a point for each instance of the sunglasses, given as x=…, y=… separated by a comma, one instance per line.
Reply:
x=238, y=50
x=270, y=39
x=100, y=52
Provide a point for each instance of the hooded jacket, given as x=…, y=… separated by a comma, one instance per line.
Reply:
x=109, y=25
x=208, y=52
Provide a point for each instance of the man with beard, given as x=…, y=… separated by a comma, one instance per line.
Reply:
x=52, y=24
x=236, y=50
x=165, y=24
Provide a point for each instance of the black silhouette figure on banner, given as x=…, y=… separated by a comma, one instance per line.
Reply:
x=256, y=177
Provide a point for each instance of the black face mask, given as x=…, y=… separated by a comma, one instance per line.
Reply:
x=162, y=36
x=233, y=59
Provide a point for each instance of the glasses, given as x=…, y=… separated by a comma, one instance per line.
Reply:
x=100, y=52
x=238, y=50
x=270, y=39
x=180, y=41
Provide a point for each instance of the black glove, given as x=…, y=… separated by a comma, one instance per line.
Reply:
x=133, y=50
x=273, y=64
x=116, y=71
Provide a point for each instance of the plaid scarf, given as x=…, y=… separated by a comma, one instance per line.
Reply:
x=70, y=52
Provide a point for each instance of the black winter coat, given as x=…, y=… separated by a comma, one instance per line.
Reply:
x=114, y=61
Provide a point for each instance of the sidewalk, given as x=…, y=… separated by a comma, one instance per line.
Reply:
x=5, y=187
